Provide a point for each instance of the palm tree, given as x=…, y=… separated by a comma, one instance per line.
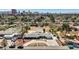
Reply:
x=44, y=30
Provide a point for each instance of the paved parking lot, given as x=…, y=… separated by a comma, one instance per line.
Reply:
x=38, y=48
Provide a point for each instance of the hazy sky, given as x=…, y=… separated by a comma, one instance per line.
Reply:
x=47, y=10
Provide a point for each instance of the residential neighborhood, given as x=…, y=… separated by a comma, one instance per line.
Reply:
x=35, y=30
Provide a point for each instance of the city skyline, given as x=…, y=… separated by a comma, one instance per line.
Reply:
x=46, y=10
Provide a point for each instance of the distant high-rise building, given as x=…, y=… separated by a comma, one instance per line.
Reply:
x=14, y=11
x=29, y=12
x=24, y=12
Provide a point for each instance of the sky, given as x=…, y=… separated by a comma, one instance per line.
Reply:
x=47, y=10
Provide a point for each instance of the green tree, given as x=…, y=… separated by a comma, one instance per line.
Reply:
x=25, y=30
x=52, y=18
x=66, y=27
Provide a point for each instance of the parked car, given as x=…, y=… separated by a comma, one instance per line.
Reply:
x=70, y=45
x=3, y=43
x=73, y=44
x=76, y=45
x=12, y=46
x=0, y=42
x=20, y=47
